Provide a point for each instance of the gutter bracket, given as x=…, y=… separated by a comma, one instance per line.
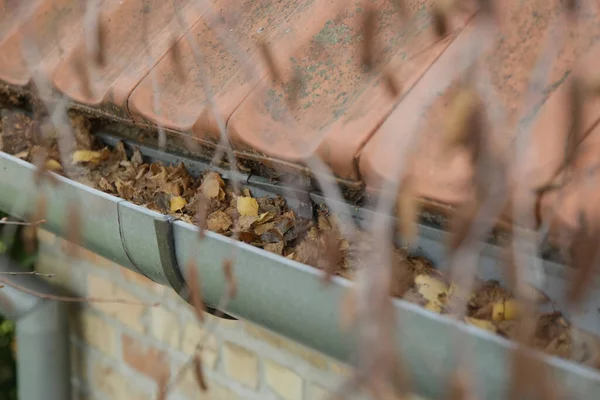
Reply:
x=163, y=229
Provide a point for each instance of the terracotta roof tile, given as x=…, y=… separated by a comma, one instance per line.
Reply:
x=447, y=179
x=339, y=105
x=53, y=29
x=128, y=59
x=343, y=114
x=226, y=36
x=547, y=153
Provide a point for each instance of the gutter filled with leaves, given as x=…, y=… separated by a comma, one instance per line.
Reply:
x=278, y=239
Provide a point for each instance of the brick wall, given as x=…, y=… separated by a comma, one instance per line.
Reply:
x=119, y=350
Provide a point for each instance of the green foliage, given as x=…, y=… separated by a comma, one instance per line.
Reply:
x=8, y=365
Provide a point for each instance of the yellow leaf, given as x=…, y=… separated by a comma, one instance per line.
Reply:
x=264, y=217
x=81, y=156
x=505, y=310
x=481, y=323
x=177, y=203
x=53, y=165
x=247, y=206
x=434, y=306
x=430, y=287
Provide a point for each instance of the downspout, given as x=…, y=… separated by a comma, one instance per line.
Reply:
x=43, y=361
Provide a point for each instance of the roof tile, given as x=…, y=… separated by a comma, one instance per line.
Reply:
x=339, y=104
x=226, y=37
x=128, y=58
x=506, y=67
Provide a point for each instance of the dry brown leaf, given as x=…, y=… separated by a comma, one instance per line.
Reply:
x=247, y=206
x=391, y=83
x=199, y=373
x=162, y=383
x=30, y=231
x=172, y=188
x=195, y=290
x=439, y=20
x=460, y=117
x=230, y=278
x=201, y=214
x=530, y=377
x=177, y=203
x=269, y=58
x=368, y=33
x=331, y=255
x=459, y=387
x=137, y=158
x=105, y=185
x=244, y=223
x=100, y=56
x=74, y=230
x=211, y=185
x=81, y=71
x=177, y=59
x=576, y=100
x=348, y=309
x=276, y=248
x=407, y=212
x=294, y=88
x=219, y=222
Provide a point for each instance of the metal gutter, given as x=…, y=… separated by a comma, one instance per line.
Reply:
x=285, y=296
x=43, y=359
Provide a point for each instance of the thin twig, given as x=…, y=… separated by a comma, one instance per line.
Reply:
x=22, y=223
x=15, y=273
x=74, y=299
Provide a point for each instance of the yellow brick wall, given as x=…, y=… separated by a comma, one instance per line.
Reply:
x=120, y=350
